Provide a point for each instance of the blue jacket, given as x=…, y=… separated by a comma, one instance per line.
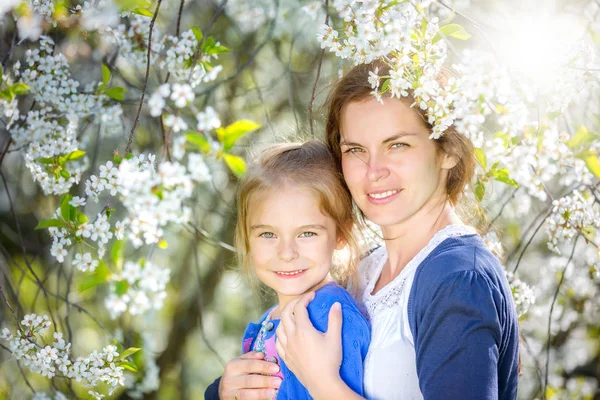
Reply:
x=464, y=323
x=356, y=336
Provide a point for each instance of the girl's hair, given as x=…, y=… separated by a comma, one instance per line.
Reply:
x=309, y=165
x=355, y=86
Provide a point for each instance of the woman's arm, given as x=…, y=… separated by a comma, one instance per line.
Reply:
x=314, y=357
x=458, y=339
x=245, y=378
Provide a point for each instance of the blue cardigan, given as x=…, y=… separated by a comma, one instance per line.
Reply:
x=356, y=336
x=464, y=325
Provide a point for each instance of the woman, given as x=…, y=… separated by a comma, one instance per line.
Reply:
x=443, y=321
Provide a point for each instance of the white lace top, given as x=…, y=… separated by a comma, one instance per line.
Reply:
x=390, y=366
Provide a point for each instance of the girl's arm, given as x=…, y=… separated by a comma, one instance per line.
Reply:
x=314, y=357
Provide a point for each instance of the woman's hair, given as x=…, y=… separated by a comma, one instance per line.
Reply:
x=309, y=165
x=355, y=86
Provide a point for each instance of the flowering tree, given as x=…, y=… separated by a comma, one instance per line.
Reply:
x=125, y=126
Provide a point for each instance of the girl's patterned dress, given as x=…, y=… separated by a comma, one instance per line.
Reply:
x=265, y=343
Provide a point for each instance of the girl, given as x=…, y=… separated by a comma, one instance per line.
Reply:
x=293, y=213
x=443, y=322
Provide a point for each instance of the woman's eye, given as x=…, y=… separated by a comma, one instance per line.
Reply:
x=308, y=234
x=267, y=235
x=398, y=145
x=354, y=150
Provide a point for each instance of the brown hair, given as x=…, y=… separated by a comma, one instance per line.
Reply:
x=355, y=86
x=309, y=165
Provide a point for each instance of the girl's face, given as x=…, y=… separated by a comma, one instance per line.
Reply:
x=390, y=165
x=291, y=241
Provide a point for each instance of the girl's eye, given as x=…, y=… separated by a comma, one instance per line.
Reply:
x=267, y=235
x=308, y=234
x=398, y=145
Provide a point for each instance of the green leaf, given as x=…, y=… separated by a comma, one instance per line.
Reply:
x=591, y=162
x=65, y=207
x=116, y=253
x=128, y=156
x=121, y=287
x=99, y=277
x=65, y=174
x=117, y=93
x=217, y=50
x=479, y=191
x=501, y=175
x=481, y=158
x=199, y=141
x=385, y=86
x=208, y=44
x=81, y=218
x=47, y=223
x=128, y=366
x=230, y=134
x=236, y=164
x=128, y=352
x=128, y=5
x=75, y=155
x=198, y=34
x=46, y=160
x=581, y=138
x=105, y=74
x=142, y=11
x=20, y=88
x=451, y=30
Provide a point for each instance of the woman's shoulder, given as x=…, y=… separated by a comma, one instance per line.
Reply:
x=461, y=258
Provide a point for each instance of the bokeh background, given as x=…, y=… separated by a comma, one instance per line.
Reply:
x=531, y=64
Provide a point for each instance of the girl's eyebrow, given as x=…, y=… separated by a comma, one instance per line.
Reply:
x=385, y=141
x=257, y=227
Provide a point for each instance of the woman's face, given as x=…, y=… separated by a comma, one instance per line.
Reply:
x=390, y=165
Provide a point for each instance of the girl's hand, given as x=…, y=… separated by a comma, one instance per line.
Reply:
x=312, y=356
x=245, y=378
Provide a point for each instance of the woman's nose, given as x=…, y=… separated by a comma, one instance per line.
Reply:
x=377, y=169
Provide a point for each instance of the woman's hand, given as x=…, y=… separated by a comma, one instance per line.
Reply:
x=312, y=356
x=245, y=378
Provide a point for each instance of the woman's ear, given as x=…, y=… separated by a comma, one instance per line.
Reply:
x=449, y=161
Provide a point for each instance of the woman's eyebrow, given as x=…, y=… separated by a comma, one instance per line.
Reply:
x=385, y=141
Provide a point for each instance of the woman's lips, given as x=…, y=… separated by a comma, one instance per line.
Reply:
x=383, y=197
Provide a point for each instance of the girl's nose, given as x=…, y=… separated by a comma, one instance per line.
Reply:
x=287, y=251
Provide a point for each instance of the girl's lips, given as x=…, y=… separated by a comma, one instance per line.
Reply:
x=381, y=198
x=290, y=274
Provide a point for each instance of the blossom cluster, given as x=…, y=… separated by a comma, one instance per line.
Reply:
x=140, y=287
x=571, y=215
x=411, y=46
x=27, y=347
x=522, y=293
x=48, y=134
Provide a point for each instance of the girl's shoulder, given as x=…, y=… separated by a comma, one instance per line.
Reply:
x=325, y=297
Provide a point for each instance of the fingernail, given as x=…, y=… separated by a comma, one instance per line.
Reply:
x=271, y=393
x=276, y=382
x=274, y=368
x=336, y=306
